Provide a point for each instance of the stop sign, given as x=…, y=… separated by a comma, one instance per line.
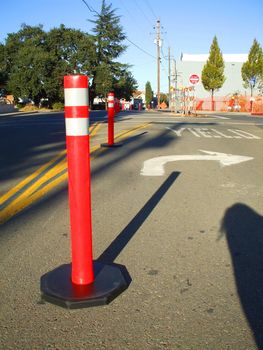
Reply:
x=194, y=79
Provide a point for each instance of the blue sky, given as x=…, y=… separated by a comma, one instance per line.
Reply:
x=188, y=26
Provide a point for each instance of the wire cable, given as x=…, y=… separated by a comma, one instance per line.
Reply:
x=140, y=10
x=164, y=57
x=89, y=7
x=138, y=47
x=147, y=3
x=131, y=15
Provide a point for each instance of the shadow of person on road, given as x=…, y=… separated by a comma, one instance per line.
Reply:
x=244, y=232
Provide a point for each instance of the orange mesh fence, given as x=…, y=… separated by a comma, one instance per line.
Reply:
x=257, y=107
x=235, y=103
x=205, y=104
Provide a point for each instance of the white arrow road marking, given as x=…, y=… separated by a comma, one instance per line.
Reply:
x=155, y=166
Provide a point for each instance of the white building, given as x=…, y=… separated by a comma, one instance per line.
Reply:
x=193, y=64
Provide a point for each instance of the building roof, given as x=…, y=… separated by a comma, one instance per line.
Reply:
x=240, y=57
x=138, y=94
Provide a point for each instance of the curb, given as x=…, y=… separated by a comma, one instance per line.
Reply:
x=26, y=113
x=16, y=113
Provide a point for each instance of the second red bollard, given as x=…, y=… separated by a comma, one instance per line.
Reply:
x=111, y=115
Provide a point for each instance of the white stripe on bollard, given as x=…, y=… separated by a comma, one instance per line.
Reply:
x=77, y=126
x=110, y=105
x=75, y=97
x=110, y=98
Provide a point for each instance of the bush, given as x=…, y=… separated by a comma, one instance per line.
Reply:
x=19, y=105
x=28, y=108
x=58, y=106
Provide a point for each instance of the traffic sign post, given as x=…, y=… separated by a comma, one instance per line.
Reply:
x=84, y=282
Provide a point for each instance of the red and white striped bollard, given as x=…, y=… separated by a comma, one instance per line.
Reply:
x=78, y=153
x=85, y=282
x=111, y=114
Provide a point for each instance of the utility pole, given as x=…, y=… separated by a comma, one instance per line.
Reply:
x=169, y=76
x=158, y=44
x=174, y=73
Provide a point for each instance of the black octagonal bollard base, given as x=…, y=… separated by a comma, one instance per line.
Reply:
x=118, y=144
x=110, y=281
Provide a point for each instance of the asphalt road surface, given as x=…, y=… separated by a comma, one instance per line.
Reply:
x=179, y=205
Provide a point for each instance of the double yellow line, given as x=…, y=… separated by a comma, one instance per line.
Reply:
x=37, y=184
x=45, y=179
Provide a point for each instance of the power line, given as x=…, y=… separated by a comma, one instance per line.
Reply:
x=136, y=18
x=140, y=10
x=165, y=58
x=89, y=7
x=154, y=15
x=138, y=47
x=126, y=8
x=167, y=38
x=164, y=68
x=132, y=15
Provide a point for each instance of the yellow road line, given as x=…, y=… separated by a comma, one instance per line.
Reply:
x=126, y=133
x=21, y=184
x=45, y=184
x=93, y=130
x=11, y=210
x=51, y=173
x=120, y=135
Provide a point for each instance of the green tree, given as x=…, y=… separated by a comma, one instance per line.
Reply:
x=108, y=36
x=213, y=71
x=3, y=70
x=33, y=62
x=26, y=36
x=252, y=69
x=164, y=98
x=124, y=84
x=70, y=52
x=27, y=76
x=25, y=62
x=148, y=94
x=108, y=39
x=36, y=61
x=103, y=80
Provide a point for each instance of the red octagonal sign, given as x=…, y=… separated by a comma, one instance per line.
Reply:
x=194, y=79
